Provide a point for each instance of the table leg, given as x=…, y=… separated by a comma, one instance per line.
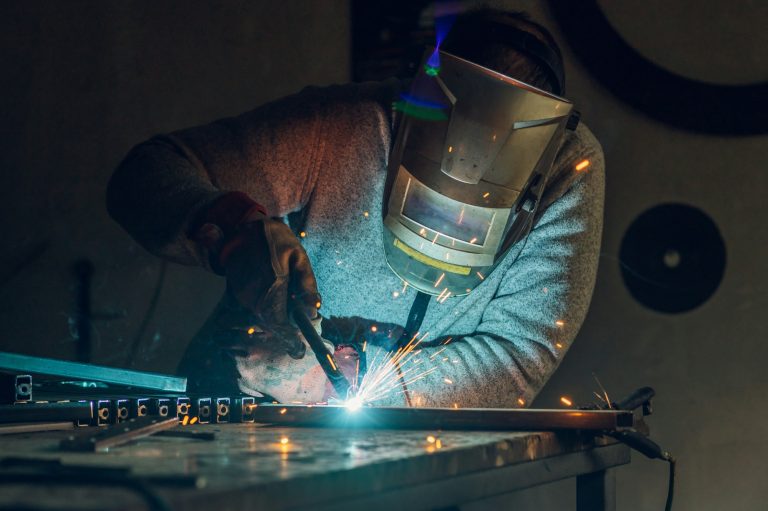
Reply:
x=596, y=491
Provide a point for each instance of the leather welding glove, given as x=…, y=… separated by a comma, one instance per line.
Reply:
x=266, y=268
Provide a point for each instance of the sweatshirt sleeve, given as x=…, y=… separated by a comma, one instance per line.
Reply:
x=272, y=154
x=529, y=324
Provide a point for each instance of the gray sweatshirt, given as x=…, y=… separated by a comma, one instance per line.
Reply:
x=318, y=158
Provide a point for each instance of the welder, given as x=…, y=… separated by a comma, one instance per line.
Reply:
x=463, y=207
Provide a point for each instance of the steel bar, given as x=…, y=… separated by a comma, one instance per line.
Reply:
x=79, y=371
x=489, y=419
x=46, y=412
x=117, y=434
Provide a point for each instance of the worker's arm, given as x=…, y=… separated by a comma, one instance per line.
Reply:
x=272, y=156
x=529, y=325
x=209, y=195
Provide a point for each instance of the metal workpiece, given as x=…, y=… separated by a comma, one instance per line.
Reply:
x=487, y=419
x=47, y=412
x=91, y=372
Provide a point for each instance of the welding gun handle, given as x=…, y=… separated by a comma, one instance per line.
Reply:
x=636, y=399
x=322, y=354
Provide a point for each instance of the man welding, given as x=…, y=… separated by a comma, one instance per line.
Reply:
x=457, y=218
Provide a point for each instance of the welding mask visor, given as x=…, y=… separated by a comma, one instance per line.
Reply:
x=473, y=152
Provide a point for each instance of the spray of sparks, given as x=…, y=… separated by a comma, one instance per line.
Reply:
x=394, y=371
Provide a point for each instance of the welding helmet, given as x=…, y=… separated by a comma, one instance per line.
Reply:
x=473, y=152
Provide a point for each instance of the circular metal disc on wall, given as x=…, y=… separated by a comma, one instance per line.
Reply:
x=672, y=258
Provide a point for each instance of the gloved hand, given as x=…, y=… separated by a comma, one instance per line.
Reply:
x=265, y=266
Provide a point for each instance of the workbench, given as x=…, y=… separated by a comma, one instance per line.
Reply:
x=256, y=467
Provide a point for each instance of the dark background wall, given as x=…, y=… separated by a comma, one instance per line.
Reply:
x=82, y=82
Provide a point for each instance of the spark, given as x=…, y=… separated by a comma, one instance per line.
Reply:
x=480, y=275
x=521, y=401
x=486, y=195
x=448, y=381
x=365, y=214
x=583, y=164
x=605, y=392
x=431, y=439
x=436, y=236
x=447, y=295
x=330, y=359
x=365, y=345
x=303, y=234
x=284, y=440
x=405, y=286
x=374, y=328
x=185, y=420
x=472, y=241
x=560, y=323
x=193, y=420
x=566, y=401
x=282, y=412
x=438, y=444
x=439, y=279
x=318, y=305
x=395, y=294
x=455, y=406
x=450, y=148
x=559, y=345
x=423, y=231
x=447, y=341
x=251, y=331
x=461, y=216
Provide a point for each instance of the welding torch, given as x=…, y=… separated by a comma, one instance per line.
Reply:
x=322, y=353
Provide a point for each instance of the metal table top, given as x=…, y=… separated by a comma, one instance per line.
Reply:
x=250, y=466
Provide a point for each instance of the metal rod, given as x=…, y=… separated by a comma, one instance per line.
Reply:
x=79, y=371
x=46, y=412
x=322, y=354
x=489, y=419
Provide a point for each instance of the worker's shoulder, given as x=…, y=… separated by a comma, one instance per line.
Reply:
x=581, y=144
x=381, y=92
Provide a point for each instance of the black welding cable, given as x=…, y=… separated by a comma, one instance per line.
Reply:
x=671, y=484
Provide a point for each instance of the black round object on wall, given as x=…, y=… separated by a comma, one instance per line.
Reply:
x=672, y=258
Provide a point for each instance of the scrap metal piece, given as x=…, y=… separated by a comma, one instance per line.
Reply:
x=160, y=406
x=202, y=409
x=15, y=388
x=117, y=434
x=223, y=410
x=120, y=410
x=140, y=407
x=103, y=412
x=47, y=412
x=242, y=409
x=80, y=371
x=183, y=407
x=489, y=419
